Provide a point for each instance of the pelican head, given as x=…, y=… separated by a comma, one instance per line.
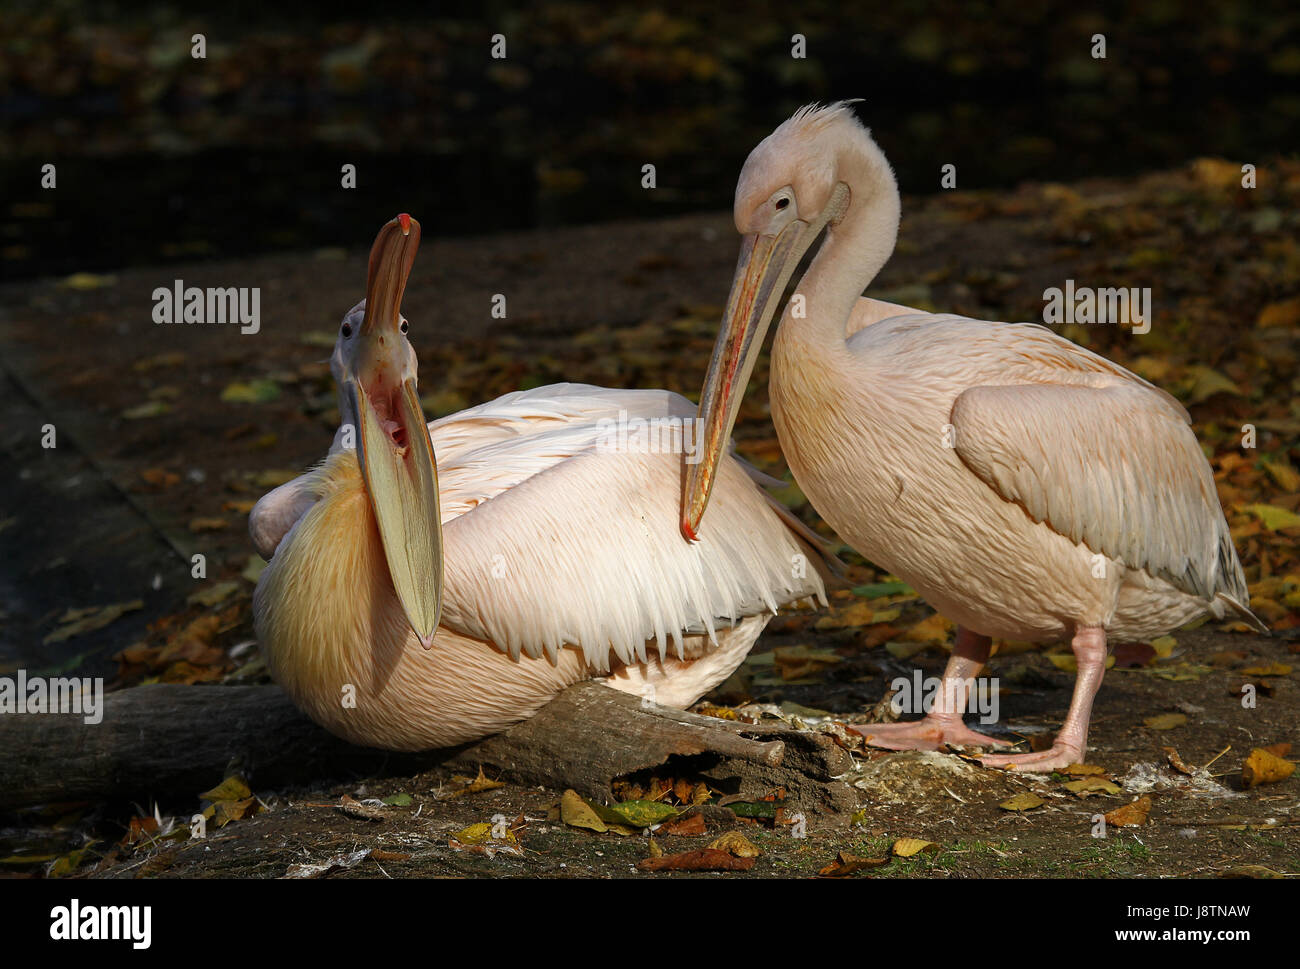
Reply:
x=799, y=180
x=375, y=367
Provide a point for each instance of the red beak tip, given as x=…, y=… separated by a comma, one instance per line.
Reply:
x=688, y=531
x=405, y=221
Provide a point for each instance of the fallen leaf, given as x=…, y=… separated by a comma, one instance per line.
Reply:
x=1091, y=785
x=159, y=477
x=82, y=281
x=474, y=786
x=737, y=844
x=577, y=813
x=1176, y=761
x=848, y=864
x=153, y=408
x=208, y=524
x=75, y=622
x=1250, y=871
x=233, y=788
x=254, y=392
x=1130, y=815
x=1165, y=721
x=908, y=847
x=340, y=862
x=1273, y=517
x=932, y=629
x=1272, y=669
x=1082, y=770
x=1261, y=767
x=254, y=569
x=640, y=814
x=703, y=859
x=355, y=809
x=879, y=590
x=1024, y=801
x=213, y=595
x=691, y=824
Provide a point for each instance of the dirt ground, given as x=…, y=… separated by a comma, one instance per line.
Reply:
x=167, y=434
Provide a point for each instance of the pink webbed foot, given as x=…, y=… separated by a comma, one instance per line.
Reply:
x=931, y=733
x=1059, y=755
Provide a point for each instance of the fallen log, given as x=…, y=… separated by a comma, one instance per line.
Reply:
x=165, y=740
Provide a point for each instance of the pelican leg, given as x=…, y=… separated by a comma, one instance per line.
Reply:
x=1089, y=645
x=943, y=724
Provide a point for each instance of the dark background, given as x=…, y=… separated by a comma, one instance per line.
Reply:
x=165, y=158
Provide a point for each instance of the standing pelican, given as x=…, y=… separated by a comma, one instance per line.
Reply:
x=1027, y=488
x=410, y=605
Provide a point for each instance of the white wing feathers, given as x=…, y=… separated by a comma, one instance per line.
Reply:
x=1110, y=463
x=560, y=532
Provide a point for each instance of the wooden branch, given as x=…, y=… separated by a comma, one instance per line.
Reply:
x=162, y=740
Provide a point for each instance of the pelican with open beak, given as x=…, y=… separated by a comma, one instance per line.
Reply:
x=409, y=604
x=375, y=368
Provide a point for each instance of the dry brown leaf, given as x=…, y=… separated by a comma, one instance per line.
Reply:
x=355, y=809
x=1130, y=815
x=1176, y=761
x=704, y=859
x=848, y=864
x=691, y=824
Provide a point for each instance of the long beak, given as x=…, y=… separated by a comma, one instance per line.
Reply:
x=762, y=272
x=393, y=443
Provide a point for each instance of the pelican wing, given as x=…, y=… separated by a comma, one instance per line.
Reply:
x=1110, y=463
x=560, y=532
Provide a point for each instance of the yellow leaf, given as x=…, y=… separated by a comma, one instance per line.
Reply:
x=74, y=622
x=1083, y=770
x=1273, y=517
x=1025, y=801
x=933, y=629
x=1262, y=767
x=1164, y=646
x=231, y=789
x=475, y=834
x=1285, y=476
x=907, y=847
x=735, y=843
x=577, y=813
x=1166, y=721
x=1207, y=382
x=1272, y=669
x=1091, y=785
x=87, y=281
x=1285, y=313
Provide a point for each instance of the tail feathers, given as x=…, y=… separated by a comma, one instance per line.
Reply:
x=1243, y=613
x=824, y=560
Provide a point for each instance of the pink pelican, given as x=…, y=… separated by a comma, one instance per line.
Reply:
x=409, y=605
x=1027, y=488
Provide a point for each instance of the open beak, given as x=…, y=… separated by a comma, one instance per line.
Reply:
x=762, y=272
x=393, y=443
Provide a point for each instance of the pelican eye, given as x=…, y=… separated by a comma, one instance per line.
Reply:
x=782, y=203
x=347, y=329
x=405, y=326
